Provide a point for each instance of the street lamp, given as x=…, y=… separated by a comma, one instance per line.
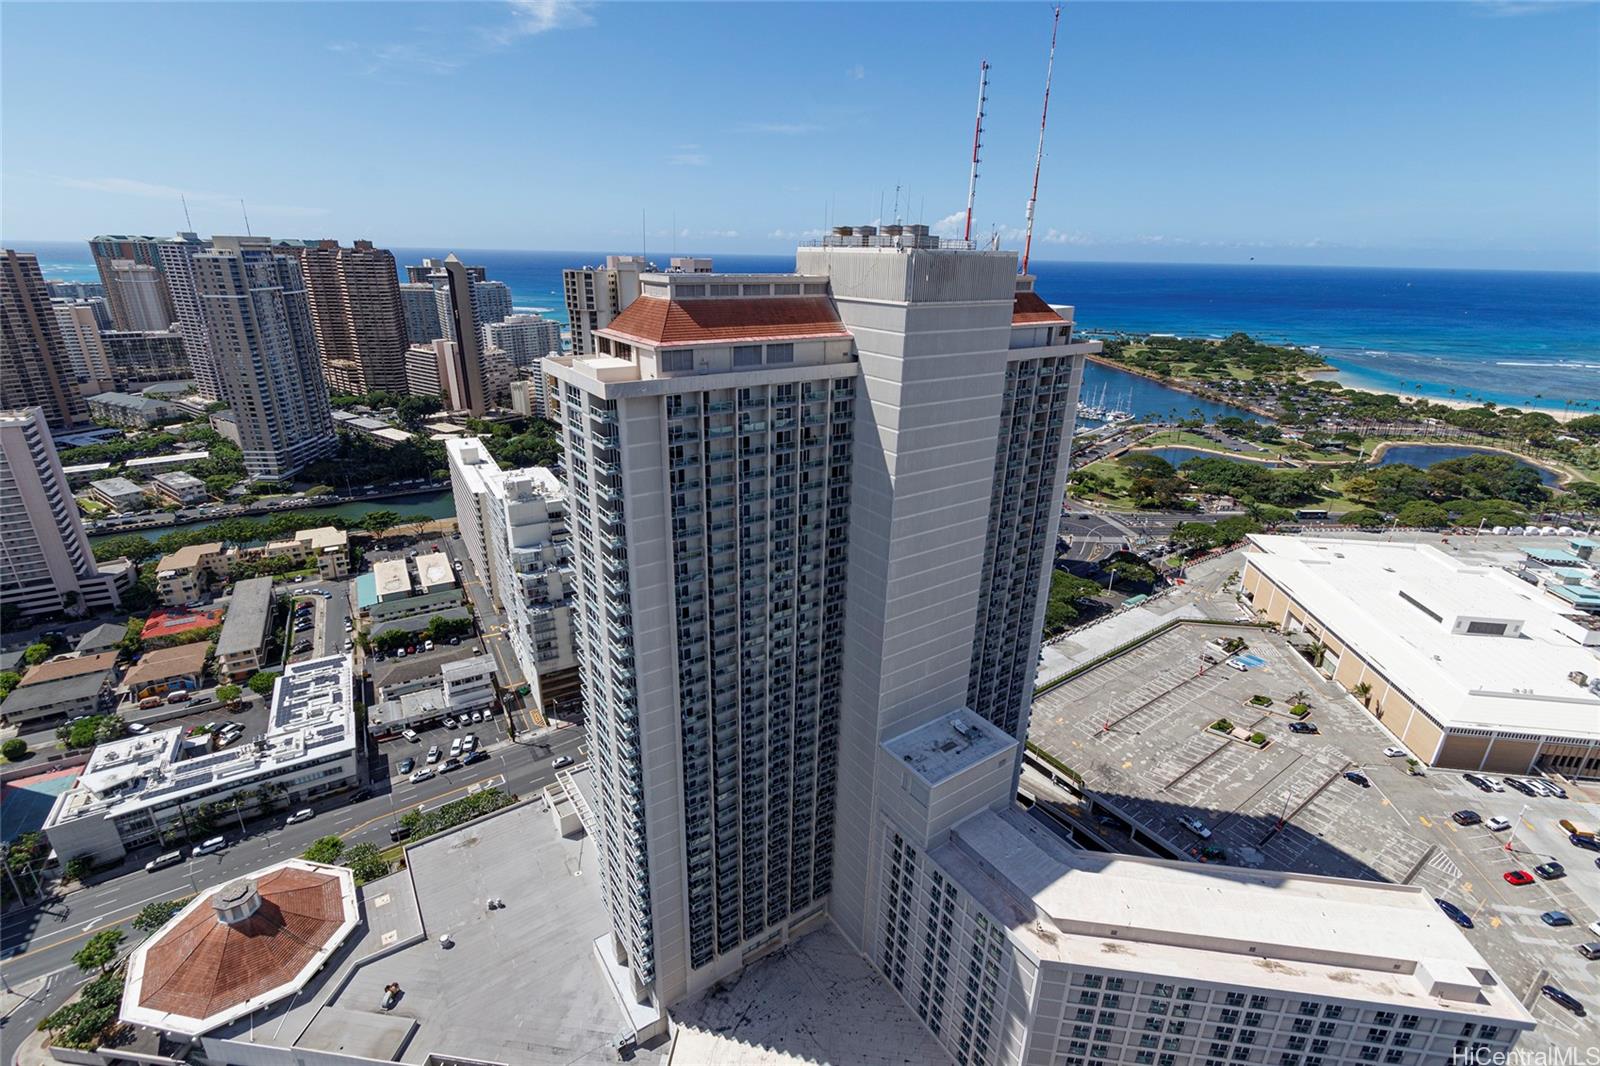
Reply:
x=1513, y=835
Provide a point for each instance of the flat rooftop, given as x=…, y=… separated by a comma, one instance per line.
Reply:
x=1399, y=606
x=948, y=744
x=818, y=1001
x=391, y=578
x=520, y=985
x=434, y=572
x=1315, y=936
x=246, y=621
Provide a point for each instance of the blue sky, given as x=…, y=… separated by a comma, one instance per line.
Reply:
x=1432, y=134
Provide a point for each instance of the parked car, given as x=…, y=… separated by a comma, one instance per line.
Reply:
x=407, y=765
x=1303, y=727
x=1519, y=878
x=209, y=847
x=162, y=861
x=399, y=833
x=1590, y=951
x=1394, y=752
x=1494, y=784
x=304, y=814
x=1358, y=777
x=1556, y=919
x=1196, y=826
x=1239, y=666
x=1466, y=818
x=410, y=734
x=136, y=728
x=1454, y=913
x=434, y=753
x=477, y=716
x=1477, y=782
x=473, y=756
x=1521, y=786
x=451, y=763
x=427, y=645
x=455, y=640
x=180, y=696
x=469, y=742
x=449, y=722
x=1499, y=825
x=1553, y=993
x=455, y=746
x=149, y=702
x=1550, y=871
x=1577, y=840
x=559, y=761
x=421, y=775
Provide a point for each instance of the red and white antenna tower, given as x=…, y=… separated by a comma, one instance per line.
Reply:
x=977, y=143
x=1038, y=159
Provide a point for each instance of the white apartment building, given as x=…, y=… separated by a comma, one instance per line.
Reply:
x=46, y=564
x=80, y=333
x=1015, y=948
x=177, y=267
x=141, y=790
x=254, y=302
x=526, y=339
x=761, y=482
x=514, y=525
x=596, y=295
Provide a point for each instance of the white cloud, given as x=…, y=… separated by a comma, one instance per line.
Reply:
x=1513, y=8
x=791, y=129
x=688, y=155
x=952, y=225
x=377, y=57
x=151, y=191
x=856, y=72
x=529, y=18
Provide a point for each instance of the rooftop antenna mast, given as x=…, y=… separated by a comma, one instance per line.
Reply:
x=246, y=215
x=188, y=223
x=1038, y=159
x=977, y=143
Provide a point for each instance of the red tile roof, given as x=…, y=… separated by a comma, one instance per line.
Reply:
x=666, y=323
x=1029, y=309
x=202, y=966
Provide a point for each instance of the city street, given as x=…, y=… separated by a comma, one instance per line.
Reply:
x=39, y=941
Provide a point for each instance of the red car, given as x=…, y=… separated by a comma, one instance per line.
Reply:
x=1518, y=877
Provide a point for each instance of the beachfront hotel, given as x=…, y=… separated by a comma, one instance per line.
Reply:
x=1469, y=667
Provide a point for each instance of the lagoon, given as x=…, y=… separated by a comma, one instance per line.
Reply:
x=1425, y=455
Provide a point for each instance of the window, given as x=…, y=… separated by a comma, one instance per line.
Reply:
x=1486, y=629
x=682, y=359
x=686, y=292
x=747, y=355
x=724, y=290
x=780, y=353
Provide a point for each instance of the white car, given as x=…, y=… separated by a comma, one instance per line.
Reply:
x=561, y=760
x=1494, y=783
x=208, y=847
x=1196, y=826
x=304, y=814
x=421, y=775
x=427, y=645
x=449, y=722
x=455, y=746
x=1394, y=752
x=410, y=734
x=1239, y=666
x=469, y=742
x=1499, y=825
x=136, y=728
x=433, y=753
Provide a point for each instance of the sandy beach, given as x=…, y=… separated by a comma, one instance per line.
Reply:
x=1460, y=405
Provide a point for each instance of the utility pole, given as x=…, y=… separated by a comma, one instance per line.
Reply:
x=977, y=144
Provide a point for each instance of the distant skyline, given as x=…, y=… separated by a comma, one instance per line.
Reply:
x=1398, y=134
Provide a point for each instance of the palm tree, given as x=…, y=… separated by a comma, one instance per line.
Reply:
x=1363, y=691
x=1299, y=696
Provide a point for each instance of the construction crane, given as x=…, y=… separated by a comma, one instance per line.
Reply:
x=977, y=143
x=1038, y=159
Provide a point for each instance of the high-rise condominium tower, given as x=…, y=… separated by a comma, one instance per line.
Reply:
x=357, y=315
x=421, y=309
x=254, y=303
x=596, y=295
x=35, y=370
x=86, y=350
x=133, y=306
x=454, y=286
x=45, y=561
x=514, y=526
x=176, y=259
x=526, y=339
x=797, y=568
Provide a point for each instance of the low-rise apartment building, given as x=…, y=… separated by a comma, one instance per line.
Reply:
x=389, y=593
x=133, y=411
x=180, y=488
x=166, y=670
x=461, y=687
x=133, y=792
x=243, y=641
x=60, y=689
x=119, y=494
x=328, y=547
x=188, y=573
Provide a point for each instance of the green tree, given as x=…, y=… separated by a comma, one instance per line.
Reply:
x=14, y=750
x=130, y=546
x=378, y=521
x=261, y=682
x=101, y=951
x=78, y=867
x=155, y=915
x=1364, y=517
x=366, y=862
x=85, y=1023
x=36, y=654
x=228, y=693
x=1421, y=514
x=9, y=679
x=326, y=849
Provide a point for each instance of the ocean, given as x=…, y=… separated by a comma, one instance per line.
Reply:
x=1511, y=337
